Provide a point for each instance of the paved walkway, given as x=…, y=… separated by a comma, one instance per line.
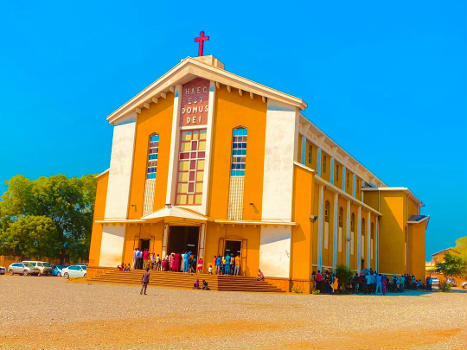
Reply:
x=49, y=313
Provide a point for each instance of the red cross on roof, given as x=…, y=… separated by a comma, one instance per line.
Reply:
x=201, y=41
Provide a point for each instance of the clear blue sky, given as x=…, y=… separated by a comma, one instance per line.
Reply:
x=386, y=80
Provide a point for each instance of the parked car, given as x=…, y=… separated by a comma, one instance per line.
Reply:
x=464, y=285
x=57, y=270
x=435, y=281
x=74, y=271
x=43, y=267
x=2, y=270
x=22, y=269
x=451, y=281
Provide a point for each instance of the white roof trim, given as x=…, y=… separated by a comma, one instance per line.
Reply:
x=396, y=189
x=104, y=172
x=190, y=67
x=251, y=222
x=419, y=222
x=175, y=212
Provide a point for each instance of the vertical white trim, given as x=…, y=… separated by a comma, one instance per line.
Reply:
x=121, y=169
x=318, y=162
x=164, y=241
x=354, y=185
x=332, y=170
x=368, y=241
x=303, y=155
x=377, y=245
x=347, y=253
x=359, y=239
x=173, y=146
x=344, y=178
x=281, y=144
x=320, y=228
x=334, y=229
x=209, y=133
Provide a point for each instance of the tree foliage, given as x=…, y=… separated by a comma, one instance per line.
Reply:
x=344, y=274
x=452, y=266
x=57, y=210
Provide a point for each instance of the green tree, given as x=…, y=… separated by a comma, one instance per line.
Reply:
x=68, y=202
x=30, y=237
x=344, y=274
x=452, y=266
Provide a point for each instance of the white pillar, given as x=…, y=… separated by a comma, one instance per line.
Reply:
x=359, y=238
x=164, y=241
x=303, y=153
x=202, y=240
x=320, y=228
x=347, y=240
x=344, y=178
x=368, y=240
x=354, y=185
x=377, y=245
x=334, y=226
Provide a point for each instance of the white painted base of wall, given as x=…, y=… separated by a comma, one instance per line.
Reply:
x=274, y=251
x=113, y=238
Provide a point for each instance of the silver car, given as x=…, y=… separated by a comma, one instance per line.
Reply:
x=22, y=269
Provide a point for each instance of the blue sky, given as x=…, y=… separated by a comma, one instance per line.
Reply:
x=386, y=80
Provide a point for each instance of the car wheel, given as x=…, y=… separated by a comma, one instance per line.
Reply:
x=66, y=275
x=11, y=273
x=25, y=273
x=59, y=274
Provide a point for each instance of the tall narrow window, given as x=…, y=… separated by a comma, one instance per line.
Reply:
x=191, y=167
x=352, y=222
x=151, y=174
x=337, y=173
x=153, y=153
x=362, y=245
x=237, y=167
x=341, y=217
x=237, y=173
x=326, y=211
x=324, y=164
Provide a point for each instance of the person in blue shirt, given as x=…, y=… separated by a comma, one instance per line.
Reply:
x=227, y=264
x=218, y=265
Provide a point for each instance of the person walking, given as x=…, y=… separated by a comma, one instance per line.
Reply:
x=145, y=281
x=237, y=265
x=227, y=264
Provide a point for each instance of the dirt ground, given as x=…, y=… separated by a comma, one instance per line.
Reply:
x=50, y=313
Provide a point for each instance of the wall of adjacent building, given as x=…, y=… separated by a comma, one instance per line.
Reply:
x=417, y=250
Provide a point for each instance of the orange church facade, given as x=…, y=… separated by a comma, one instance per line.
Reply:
x=209, y=161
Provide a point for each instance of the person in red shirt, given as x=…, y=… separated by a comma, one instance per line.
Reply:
x=319, y=279
x=146, y=258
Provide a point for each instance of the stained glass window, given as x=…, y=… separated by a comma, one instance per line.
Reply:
x=237, y=167
x=152, y=156
x=191, y=167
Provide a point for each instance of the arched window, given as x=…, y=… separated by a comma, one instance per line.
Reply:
x=352, y=222
x=238, y=162
x=326, y=211
x=341, y=217
x=153, y=152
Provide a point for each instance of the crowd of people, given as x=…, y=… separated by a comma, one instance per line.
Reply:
x=368, y=282
x=183, y=262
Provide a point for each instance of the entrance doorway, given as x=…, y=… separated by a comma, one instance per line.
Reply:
x=144, y=244
x=183, y=239
x=233, y=248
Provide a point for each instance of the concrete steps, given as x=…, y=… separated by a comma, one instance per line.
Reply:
x=186, y=280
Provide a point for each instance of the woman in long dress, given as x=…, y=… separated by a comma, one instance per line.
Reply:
x=177, y=262
x=171, y=261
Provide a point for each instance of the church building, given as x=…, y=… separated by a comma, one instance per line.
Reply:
x=207, y=160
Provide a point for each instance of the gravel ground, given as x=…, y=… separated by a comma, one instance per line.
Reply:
x=50, y=313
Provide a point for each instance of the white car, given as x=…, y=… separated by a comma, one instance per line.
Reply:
x=74, y=271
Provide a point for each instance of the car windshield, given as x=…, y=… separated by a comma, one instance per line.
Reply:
x=29, y=265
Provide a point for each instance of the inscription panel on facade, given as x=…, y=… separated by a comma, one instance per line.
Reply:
x=195, y=99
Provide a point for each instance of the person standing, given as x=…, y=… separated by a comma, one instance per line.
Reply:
x=145, y=281
x=200, y=265
x=227, y=264
x=218, y=265
x=379, y=284
x=237, y=265
x=146, y=259
x=139, y=259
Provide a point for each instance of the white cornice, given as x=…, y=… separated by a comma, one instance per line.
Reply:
x=190, y=68
x=396, y=189
x=320, y=139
